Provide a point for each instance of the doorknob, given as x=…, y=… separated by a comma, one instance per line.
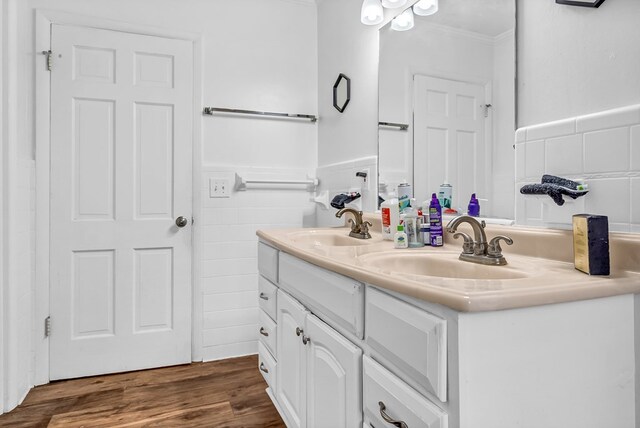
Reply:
x=181, y=221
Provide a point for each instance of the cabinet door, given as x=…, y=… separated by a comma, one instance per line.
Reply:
x=334, y=378
x=291, y=376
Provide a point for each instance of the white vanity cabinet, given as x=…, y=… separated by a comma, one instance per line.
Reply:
x=267, y=301
x=319, y=375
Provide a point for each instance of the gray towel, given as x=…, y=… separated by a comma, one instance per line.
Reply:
x=556, y=188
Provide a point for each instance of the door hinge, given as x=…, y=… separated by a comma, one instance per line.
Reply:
x=486, y=109
x=49, y=56
x=47, y=326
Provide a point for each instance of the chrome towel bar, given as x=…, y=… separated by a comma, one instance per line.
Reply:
x=211, y=110
x=400, y=126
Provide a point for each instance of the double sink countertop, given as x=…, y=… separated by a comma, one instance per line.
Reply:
x=540, y=266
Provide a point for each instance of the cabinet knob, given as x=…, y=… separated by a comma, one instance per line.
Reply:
x=299, y=331
x=263, y=368
x=305, y=339
x=388, y=419
x=263, y=332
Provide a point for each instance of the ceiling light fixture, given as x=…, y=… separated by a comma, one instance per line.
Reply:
x=393, y=4
x=372, y=12
x=425, y=7
x=403, y=22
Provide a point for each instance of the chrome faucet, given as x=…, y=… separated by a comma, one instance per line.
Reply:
x=359, y=229
x=476, y=249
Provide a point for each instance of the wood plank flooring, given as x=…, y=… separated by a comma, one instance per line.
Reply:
x=221, y=394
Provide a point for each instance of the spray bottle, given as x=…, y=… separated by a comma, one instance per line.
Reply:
x=435, y=220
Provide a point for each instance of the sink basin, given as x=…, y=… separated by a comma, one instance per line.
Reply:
x=442, y=265
x=326, y=238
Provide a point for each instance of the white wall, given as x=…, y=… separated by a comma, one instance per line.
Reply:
x=601, y=148
x=576, y=60
x=504, y=120
x=346, y=46
x=256, y=54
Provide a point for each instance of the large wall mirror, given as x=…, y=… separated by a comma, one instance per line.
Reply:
x=451, y=78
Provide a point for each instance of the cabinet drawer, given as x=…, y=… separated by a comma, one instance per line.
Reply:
x=267, y=297
x=400, y=401
x=337, y=299
x=268, y=262
x=267, y=366
x=267, y=332
x=411, y=342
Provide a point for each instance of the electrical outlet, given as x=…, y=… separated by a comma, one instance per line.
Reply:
x=219, y=188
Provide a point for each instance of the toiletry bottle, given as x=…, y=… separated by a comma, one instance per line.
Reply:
x=425, y=227
x=411, y=225
x=435, y=220
x=400, y=238
x=474, y=206
x=390, y=218
x=445, y=195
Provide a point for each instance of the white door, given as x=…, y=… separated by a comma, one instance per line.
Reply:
x=449, y=139
x=334, y=378
x=291, y=383
x=120, y=268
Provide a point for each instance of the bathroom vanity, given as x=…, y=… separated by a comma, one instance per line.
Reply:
x=354, y=333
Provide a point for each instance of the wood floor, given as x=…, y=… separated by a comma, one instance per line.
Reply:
x=228, y=393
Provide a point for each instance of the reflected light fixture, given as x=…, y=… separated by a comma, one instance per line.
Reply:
x=403, y=22
x=425, y=7
x=392, y=4
x=371, y=13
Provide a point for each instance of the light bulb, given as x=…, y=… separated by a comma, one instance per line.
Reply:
x=425, y=7
x=403, y=22
x=392, y=4
x=371, y=13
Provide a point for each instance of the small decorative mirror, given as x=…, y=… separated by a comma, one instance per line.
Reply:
x=341, y=92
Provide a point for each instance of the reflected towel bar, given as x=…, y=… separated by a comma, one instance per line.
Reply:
x=400, y=126
x=210, y=110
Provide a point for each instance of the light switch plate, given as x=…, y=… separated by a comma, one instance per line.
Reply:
x=219, y=188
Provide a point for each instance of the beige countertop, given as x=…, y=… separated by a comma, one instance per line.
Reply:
x=539, y=271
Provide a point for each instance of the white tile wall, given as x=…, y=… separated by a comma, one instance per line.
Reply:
x=229, y=273
x=341, y=177
x=602, y=148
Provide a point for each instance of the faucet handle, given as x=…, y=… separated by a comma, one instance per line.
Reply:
x=494, y=249
x=467, y=246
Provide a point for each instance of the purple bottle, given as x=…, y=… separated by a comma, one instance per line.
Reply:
x=435, y=220
x=474, y=206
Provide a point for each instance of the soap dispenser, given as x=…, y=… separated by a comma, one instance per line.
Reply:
x=474, y=206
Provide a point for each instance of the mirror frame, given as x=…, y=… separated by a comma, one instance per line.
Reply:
x=341, y=77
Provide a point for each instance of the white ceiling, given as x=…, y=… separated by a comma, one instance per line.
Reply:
x=488, y=17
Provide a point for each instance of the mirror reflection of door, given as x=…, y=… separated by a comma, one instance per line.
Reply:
x=465, y=41
x=449, y=138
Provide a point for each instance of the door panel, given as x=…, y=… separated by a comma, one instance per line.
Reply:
x=334, y=398
x=292, y=375
x=120, y=269
x=449, y=138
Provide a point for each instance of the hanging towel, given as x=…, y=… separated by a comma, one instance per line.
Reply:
x=556, y=188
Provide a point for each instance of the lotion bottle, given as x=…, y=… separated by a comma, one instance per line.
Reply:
x=400, y=238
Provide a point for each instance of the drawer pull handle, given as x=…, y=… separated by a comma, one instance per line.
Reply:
x=387, y=418
x=262, y=332
x=305, y=339
x=263, y=368
x=264, y=296
x=299, y=331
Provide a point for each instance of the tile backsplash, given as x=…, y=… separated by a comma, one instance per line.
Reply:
x=603, y=149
